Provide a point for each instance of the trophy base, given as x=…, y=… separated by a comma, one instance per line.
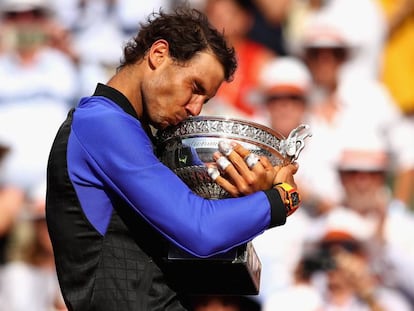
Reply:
x=236, y=272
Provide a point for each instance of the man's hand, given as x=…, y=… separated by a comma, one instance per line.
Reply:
x=235, y=176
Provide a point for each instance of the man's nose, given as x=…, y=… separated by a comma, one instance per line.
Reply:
x=195, y=105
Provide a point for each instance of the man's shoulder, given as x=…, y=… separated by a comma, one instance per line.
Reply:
x=98, y=107
x=98, y=116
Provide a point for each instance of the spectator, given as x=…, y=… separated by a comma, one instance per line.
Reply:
x=29, y=281
x=361, y=20
x=238, y=98
x=300, y=295
x=365, y=27
x=285, y=85
x=298, y=14
x=364, y=168
x=342, y=269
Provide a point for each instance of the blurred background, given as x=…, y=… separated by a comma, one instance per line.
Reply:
x=345, y=67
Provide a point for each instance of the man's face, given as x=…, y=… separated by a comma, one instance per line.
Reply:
x=176, y=91
x=325, y=63
x=286, y=111
x=25, y=30
x=364, y=190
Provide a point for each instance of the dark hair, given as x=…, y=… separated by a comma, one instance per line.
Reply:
x=187, y=32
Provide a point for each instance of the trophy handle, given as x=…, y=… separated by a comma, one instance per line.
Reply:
x=292, y=146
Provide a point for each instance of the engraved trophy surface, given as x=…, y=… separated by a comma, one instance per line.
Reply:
x=187, y=149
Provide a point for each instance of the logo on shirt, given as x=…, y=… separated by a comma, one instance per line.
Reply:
x=183, y=159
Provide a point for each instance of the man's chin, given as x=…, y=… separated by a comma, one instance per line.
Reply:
x=162, y=125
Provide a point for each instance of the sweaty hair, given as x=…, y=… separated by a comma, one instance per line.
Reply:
x=187, y=32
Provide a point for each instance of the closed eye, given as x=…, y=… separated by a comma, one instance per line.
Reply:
x=200, y=90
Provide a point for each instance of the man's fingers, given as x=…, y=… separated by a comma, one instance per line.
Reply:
x=285, y=174
x=214, y=173
x=235, y=169
x=223, y=162
x=229, y=169
x=242, y=159
x=244, y=172
x=226, y=185
x=294, y=167
x=266, y=163
x=243, y=152
x=277, y=169
x=249, y=158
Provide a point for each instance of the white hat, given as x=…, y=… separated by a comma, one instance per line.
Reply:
x=24, y=5
x=364, y=151
x=285, y=74
x=343, y=224
x=363, y=160
x=323, y=31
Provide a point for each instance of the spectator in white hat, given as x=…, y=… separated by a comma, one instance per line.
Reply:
x=361, y=20
x=285, y=86
x=364, y=168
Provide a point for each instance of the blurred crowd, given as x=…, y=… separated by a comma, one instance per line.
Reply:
x=344, y=67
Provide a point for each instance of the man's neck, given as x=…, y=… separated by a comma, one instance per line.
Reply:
x=128, y=83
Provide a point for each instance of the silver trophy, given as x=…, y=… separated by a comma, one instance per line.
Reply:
x=187, y=149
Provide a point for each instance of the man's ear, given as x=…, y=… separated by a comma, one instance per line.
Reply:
x=158, y=53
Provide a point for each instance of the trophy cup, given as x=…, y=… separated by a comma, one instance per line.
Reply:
x=187, y=149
